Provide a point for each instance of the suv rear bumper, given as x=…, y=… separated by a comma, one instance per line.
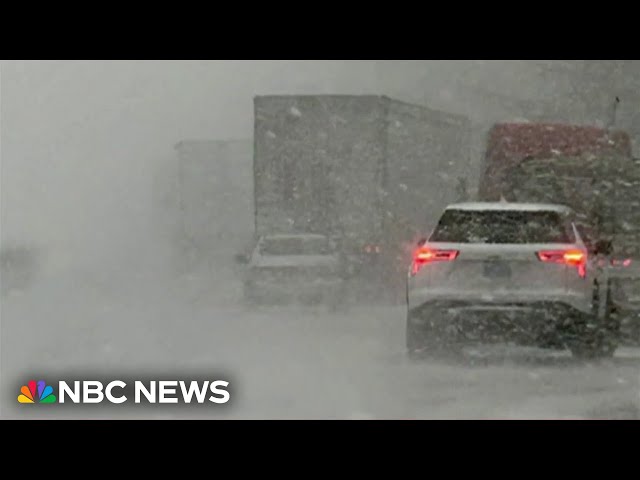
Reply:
x=501, y=300
x=529, y=323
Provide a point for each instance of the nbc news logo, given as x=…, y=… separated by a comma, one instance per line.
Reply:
x=44, y=393
x=117, y=392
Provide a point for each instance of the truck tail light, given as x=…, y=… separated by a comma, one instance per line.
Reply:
x=372, y=248
x=619, y=262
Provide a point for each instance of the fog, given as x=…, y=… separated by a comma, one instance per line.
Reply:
x=84, y=141
x=88, y=179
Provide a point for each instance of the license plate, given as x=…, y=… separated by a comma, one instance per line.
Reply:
x=497, y=269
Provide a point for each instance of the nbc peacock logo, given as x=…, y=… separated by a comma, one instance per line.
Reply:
x=44, y=393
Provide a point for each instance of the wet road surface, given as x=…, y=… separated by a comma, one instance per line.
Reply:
x=285, y=362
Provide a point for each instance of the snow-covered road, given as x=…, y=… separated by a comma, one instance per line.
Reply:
x=285, y=363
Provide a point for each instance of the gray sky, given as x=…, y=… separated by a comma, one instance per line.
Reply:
x=81, y=141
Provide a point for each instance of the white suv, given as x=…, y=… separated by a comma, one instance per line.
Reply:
x=507, y=271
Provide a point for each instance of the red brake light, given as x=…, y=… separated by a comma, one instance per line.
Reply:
x=576, y=258
x=426, y=255
x=621, y=263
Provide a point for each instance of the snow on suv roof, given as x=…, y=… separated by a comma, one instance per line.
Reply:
x=526, y=207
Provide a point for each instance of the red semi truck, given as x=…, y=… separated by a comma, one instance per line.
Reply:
x=593, y=171
x=511, y=143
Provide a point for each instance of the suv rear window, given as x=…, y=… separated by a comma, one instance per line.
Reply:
x=501, y=226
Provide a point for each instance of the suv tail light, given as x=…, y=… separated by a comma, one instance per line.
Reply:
x=425, y=255
x=575, y=258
